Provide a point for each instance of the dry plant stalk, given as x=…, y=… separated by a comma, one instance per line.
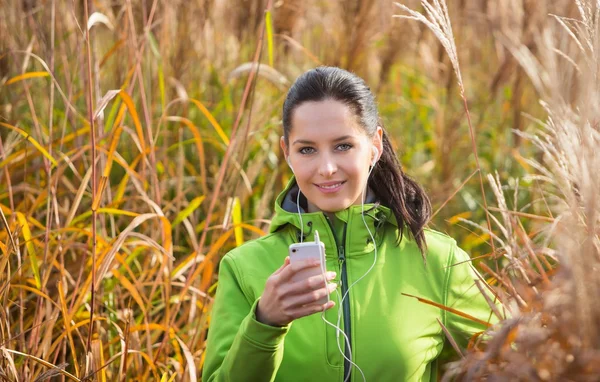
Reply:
x=437, y=19
x=554, y=331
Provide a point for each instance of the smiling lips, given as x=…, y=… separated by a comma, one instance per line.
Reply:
x=330, y=187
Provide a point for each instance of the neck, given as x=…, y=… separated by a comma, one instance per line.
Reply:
x=314, y=208
x=331, y=215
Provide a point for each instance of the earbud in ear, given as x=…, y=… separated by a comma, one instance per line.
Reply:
x=375, y=156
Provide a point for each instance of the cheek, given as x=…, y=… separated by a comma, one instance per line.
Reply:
x=356, y=170
x=302, y=173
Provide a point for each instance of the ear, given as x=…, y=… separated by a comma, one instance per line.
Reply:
x=284, y=148
x=378, y=141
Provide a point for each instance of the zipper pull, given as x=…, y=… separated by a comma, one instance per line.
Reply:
x=341, y=254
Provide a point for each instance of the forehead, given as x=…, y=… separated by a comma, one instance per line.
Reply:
x=324, y=118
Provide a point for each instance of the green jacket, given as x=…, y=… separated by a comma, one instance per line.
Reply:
x=393, y=337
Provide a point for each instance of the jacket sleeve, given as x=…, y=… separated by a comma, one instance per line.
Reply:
x=463, y=295
x=239, y=348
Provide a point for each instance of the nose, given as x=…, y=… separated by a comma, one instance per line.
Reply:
x=327, y=167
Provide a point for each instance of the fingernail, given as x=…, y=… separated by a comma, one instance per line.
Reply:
x=331, y=275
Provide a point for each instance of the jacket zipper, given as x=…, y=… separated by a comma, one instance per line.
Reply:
x=346, y=302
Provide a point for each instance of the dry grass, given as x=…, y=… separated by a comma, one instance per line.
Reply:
x=552, y=332
x=132, y=159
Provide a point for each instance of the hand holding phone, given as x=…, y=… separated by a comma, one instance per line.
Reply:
x=299, y=288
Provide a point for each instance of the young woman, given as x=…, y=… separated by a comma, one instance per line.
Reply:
x=349, y=186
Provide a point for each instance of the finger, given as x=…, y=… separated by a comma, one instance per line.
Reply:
x=308, y=310
x=286, y=262
x=309, y=298
x=308, y=284
x=288, y=272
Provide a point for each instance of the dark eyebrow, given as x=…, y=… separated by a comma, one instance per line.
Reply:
x=306, y=142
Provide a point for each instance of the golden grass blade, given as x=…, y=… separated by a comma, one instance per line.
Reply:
x=189, y=261
x=69, y=137
x=214, y=250
x=121, y=189
x=45, y=363
x=459, y=217
x=33, y=260
x=149, y=326
x=161, y=85
x=32, y=141
x=148, y=360
x=237, y=220
x=136, y=119
x=269, y=26
x=98, y=353
x=120, y=114
x=202, y=358
x=106, y=210
x=167, y=236
x=250, y=228
x=111, y=51
x=207, y=275
x=25, y=76
x=177, y=357
x=98, y=198
x=131, y=289
x=187, y=211
x=451, y=310
x=212, y=121
x=67, y=323
x=14, y=158
x=35, y=291
x=106, y=172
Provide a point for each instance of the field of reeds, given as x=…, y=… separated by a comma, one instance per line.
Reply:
x=139, y=141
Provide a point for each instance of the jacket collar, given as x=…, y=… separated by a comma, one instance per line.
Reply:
x=358, y=239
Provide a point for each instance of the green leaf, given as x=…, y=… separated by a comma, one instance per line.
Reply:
x=187, y=211
x=269, y=25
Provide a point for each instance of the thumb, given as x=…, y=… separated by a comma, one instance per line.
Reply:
x=286, y=262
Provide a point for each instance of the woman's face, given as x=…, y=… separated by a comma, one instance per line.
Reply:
x=330, y=154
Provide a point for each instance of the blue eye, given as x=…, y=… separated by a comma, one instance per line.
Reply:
x=306, y=150
x=344, y=147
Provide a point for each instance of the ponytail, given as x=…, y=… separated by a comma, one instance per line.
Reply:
x=401, y=194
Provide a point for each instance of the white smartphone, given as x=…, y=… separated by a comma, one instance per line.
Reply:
x=309, y=250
